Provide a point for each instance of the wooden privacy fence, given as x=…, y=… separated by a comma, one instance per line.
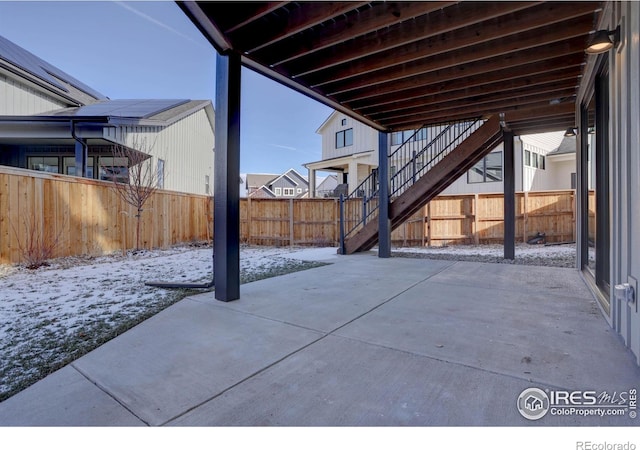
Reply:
x=87, y=217
x=448, y=219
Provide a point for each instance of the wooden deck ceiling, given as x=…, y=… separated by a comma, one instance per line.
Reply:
x=399, y=65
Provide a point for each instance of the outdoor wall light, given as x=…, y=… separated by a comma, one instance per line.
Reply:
x=603, y=40
x=570, y=132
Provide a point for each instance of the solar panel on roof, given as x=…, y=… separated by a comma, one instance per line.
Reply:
x=38, y=67
x=129, y=108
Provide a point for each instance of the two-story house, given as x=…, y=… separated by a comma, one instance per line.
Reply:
x=287, y=185
x=350, y=153
x=50, y=121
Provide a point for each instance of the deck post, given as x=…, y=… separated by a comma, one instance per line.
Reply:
x=384, y=224
x=227, y=173
x=509, y=197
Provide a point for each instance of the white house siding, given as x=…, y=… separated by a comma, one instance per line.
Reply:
x=460, y=186
x=560, y=173
x=624, y=154
x=364, y=138
x=19, y=99
x=186, y=147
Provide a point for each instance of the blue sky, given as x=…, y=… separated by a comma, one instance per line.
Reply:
x=150, y=49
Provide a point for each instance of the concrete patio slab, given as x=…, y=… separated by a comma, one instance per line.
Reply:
x=64, y=398
x=551, y=339
x=362, y=342
x=185, y=355
x=342, y=382
x=330, y=298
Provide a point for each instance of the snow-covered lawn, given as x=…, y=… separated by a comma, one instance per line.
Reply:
x=53, y=315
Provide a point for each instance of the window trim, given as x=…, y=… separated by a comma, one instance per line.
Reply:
x=484, y=169
x=341, y=138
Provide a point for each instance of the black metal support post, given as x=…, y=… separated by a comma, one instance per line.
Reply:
x=384, y=224
x=509, y=197
x=342, y=248
x=226, y=205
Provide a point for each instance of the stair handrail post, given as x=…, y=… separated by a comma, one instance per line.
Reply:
x=342, y=249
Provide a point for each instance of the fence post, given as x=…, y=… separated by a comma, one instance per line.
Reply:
x=342, y=249
x=291, y=235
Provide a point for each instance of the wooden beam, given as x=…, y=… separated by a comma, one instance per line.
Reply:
x=476, y=97
x=469, y=110
x=495, y=64
x=346, y=27
x=540, y=19
x=494, y=82
x=574, y=31
x=456, y=16
x=293, y=18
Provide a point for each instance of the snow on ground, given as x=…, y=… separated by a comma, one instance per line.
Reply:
x=53, y=315
x=563, y=255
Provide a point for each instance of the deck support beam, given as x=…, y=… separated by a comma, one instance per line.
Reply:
x=384, y=223
x=226, y=204
x=509, y=197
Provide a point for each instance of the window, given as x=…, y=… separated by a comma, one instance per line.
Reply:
x=114, y=169
x=69, y=166
x=288, y=192
x=421, y=134
x=535, y=160
x=160, y=174
x=278, y=191
x=44, y=163
x=396, y=138
x=207, y=186
x=487, y=170
x=343, y=122
x=344, y=138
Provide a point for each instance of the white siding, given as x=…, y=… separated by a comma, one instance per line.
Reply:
x=185, y=146
x=461, y=186
x=624, y=154
x=560, y=173
x=364, y=137
x=21, y=100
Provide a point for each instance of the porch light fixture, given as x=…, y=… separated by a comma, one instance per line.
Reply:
x=603, y=40
x=570, y=132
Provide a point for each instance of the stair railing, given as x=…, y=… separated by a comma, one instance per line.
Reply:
x=410, y=161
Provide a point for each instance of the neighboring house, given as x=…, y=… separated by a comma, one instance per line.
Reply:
x=50, y=121
x=287, y=185
x=326, y=187
x=350, y=151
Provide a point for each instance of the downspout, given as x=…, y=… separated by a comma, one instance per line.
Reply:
x=81, y=152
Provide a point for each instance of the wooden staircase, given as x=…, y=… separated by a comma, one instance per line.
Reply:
x=432, y=183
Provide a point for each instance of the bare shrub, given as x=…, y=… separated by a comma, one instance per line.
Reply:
x=136, y=182
x=38, y=244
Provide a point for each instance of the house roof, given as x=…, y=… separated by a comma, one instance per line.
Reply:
x=259, y=179
x=401, y=65
x=286, y=175
x=25, y=64
x=567, y=146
